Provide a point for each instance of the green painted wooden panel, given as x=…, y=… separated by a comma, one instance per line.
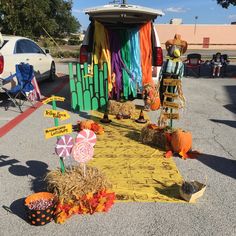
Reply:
x=86, y=79
x=74, y=101
x=87, y=92
x=105, y=71
x=95, y=78
x=80, y=95
x=87, y=101
x=101, y=83
x=78, y=72
x=103, y=103
x=71, y=74
x=95, y=104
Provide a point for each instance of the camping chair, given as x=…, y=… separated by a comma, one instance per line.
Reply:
x=226, y=62
x=24, y=75
x=193, y=63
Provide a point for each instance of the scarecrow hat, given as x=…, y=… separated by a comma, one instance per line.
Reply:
x=177, y=41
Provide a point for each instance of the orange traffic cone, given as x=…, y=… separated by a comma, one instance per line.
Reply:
x=105, y=118
x=141, y=118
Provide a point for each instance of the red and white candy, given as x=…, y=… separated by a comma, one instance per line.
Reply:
x=82, y=152
x=64, y=146
x=86, y=135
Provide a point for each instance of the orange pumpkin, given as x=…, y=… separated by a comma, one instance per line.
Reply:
x=155, y=104
x=181, y=141
x=86, y=124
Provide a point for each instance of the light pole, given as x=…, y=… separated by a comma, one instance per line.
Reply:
x=195, y=26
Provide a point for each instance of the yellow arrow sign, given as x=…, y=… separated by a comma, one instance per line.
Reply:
x=171, y=82
x=171, y=105
x=55, y=98
x=171, y=116
x=62, y=115
x=170, y=95
x=58, y=131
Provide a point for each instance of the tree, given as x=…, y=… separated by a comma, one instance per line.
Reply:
x=226, y=3
x=30, y=17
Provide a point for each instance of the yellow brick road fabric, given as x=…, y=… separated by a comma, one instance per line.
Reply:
x=137, y=172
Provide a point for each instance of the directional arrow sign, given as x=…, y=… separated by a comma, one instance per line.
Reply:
x=172, y=105
x=58, y=131
x=171, y=82
x=62, y=115
x=55, y=98
x=171, y=115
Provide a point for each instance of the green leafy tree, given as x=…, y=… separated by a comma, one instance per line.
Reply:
x=226, y=3
x=31, y=17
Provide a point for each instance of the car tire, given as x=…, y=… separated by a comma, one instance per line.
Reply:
x=52, y=76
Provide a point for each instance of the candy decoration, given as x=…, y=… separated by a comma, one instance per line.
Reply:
x=41, y=204
x=86, y=135
x=64, y=146
x=82, y=152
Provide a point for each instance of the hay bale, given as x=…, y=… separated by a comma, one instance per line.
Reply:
x=113, y=107
x=124, y=108
x=127, y=108
x=155, y=137
x=73, y=184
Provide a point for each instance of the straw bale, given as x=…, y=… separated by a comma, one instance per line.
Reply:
x=154, y=137
x=124, y=108
x=73, y=184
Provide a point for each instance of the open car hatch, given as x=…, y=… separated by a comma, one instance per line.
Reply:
x=122, y=13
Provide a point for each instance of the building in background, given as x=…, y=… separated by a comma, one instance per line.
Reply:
x=200, y=36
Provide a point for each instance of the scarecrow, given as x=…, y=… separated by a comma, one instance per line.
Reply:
x=173, y=68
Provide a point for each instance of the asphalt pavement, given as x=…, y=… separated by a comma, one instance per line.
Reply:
x=25, y=156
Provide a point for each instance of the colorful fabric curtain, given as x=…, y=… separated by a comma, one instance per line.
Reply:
x=116, y=63
x=125, y=54
x=146, y=53
x=101, y=50
x=135, y=59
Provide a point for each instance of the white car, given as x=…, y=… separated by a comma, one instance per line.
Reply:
x=15, y=50
x=123, y=16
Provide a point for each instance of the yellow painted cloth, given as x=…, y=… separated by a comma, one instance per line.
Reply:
x=137, y=172
x=101, y=50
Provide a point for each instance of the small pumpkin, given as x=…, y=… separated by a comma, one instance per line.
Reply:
x=86, y=124
x=181, y=141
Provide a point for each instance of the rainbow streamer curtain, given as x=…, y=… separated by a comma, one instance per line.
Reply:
x=128, y=53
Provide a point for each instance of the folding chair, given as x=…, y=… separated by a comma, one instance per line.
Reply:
x=226, y=62
x=24, y=75
x=193, y=63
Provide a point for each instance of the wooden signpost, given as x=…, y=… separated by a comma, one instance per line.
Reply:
x=57, y=130
x=169, y=96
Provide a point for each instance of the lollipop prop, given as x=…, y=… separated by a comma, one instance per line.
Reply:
x=64, y=146
x=83, y=150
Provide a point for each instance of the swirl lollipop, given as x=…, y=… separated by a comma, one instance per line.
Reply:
x=82, y=152
x=64, y=146
x=86, y=135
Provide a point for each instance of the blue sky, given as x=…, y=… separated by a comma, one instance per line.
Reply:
x=208, y=11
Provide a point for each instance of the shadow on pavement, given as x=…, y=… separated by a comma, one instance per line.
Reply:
x=220, y=164
x=170, y=191
x=17, y=208
x=37, y=169
x=231, y=107
x=230, y=123
x=6, y=161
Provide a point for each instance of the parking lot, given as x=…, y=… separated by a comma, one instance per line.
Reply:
x=210, y=115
